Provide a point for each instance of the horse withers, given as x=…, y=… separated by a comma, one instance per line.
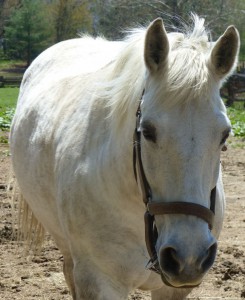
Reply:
x=84, y=176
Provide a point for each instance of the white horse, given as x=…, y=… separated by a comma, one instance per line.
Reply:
x=72, y=153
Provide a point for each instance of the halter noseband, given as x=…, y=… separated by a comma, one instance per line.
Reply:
x=153, y=209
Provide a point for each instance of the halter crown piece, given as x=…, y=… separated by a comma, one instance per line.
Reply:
x=162, y=208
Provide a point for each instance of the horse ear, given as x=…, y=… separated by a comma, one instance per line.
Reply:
x=156, y=46
x=225, y=52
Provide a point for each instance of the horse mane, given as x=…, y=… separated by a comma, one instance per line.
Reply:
x=187, y=73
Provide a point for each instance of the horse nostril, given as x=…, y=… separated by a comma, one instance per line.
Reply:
x=210, y=257
x=169, y=261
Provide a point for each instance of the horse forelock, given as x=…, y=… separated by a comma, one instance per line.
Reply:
x=187, y=75
x=187, y=78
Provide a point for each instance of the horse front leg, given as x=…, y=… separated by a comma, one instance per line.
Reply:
x=93, y=284
x=169, y=293
x=68, y=273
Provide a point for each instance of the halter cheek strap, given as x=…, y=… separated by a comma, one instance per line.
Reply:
x=162, y=208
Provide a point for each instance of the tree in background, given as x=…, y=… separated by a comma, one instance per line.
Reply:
x=70, y=17
x=111, y=17
x=27, y=32
x=5, y=10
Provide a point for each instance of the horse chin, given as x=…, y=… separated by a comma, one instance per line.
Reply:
x=180, y=286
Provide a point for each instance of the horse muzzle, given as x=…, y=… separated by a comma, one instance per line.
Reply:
x=179, y=270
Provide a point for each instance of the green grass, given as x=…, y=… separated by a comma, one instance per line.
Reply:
x=6, y=118
x=8, y=98
x=237, y=117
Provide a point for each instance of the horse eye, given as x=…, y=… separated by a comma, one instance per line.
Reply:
x=149, y=132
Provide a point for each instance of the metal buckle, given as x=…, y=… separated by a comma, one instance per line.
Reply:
x=153, y=265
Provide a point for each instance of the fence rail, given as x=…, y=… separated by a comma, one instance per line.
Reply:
x=234, y=89
x=241, y=67
x=10, y=81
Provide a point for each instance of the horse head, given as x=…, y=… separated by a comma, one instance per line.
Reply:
x=183, y=127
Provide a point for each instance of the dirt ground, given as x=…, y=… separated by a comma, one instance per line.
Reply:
x=41, y=277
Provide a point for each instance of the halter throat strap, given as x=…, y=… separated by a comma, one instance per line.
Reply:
x=152, y=208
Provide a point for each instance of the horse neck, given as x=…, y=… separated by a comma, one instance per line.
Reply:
x=120, y=150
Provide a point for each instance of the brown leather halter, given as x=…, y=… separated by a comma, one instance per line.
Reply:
x=153, y=209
